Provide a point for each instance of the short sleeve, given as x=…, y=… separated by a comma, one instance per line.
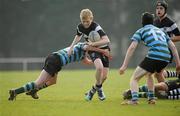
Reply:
x=100, y=31
x=175, y=29
x=79, y=33
x=136, y=36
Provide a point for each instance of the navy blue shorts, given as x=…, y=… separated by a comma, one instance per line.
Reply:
x=52, y=64
x=152, y=65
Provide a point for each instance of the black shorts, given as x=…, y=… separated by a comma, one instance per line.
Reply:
x=173, y=84
x=104, y=59
x=152, y=65
x=52, y=64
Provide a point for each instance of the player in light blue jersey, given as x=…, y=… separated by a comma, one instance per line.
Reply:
x=53, y=64
x=156, y=60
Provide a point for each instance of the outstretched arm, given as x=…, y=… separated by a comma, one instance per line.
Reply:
x=175, y=54
x=76, y=39
x=128, y=56
x=105, y=52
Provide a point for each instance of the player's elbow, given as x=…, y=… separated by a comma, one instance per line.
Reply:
x=133, y=45
x=106, y=39
x=132, y=48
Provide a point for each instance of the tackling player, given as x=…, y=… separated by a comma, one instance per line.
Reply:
x=53, y=64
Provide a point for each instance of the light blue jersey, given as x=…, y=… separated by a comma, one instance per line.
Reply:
x=156, y=40
x=76, y=56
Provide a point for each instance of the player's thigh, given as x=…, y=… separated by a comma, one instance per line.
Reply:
x=160, y=76
x=43, y=78
x=52, y=80
x=138, y=73
x=98, y=64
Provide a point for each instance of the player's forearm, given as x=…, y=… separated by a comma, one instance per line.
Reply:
x=128, y=57
x=175, y=53
x=90, y=48
x=175, y=38
x=76, y=39
x=104, y=40
x=129, y=53
x=106, y=53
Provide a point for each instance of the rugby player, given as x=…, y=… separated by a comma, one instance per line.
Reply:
x=53, y=64
x=166, y=24
x=100, y=61
x=156, y=60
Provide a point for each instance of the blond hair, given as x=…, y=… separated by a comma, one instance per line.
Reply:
x=86, y=13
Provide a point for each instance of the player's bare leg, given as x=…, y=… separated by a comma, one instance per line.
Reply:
x=160, y=76
x=99, y=76
x=50, y=81
x=100, y=92
x=43, y=78
x=150, y=86
x=137, y=75
x=99, y=71
x=105, y=73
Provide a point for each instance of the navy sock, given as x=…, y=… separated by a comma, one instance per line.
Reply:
x=143, y=88
x=42, y=87
x=134, y=96
x=98, y=86
x=150, y=95
x=27, y=87
x=143, y=95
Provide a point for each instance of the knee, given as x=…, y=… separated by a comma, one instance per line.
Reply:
x=134, y=78
x=105, y=77
x=99, y=69
x=54, y=81
x=51, y=82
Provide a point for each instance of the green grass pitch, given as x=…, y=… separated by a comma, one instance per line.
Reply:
x=66, y=98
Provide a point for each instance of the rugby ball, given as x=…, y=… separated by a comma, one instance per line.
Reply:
x=94, y=36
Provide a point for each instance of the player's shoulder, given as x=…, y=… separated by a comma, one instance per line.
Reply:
x=140, y=30
x=94, y=25
x=80, y=25
x=169, y=21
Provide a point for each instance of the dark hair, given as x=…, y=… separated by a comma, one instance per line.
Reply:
x=162, y=3
x=147, y=18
